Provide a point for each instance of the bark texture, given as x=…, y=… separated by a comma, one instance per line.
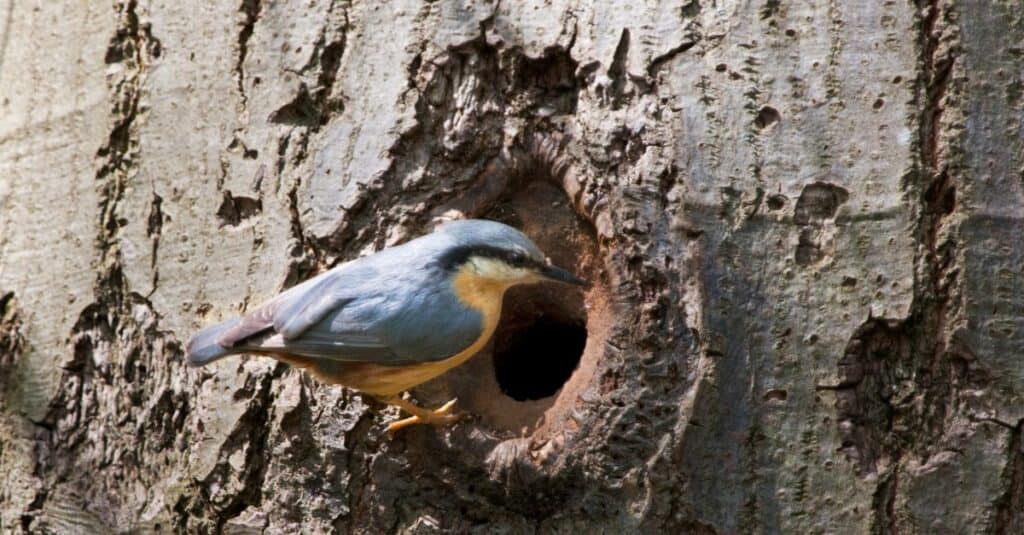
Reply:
x=803, y=220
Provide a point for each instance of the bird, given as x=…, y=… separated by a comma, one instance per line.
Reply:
x=387, y=322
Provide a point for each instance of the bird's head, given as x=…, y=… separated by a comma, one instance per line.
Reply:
x=499, y=254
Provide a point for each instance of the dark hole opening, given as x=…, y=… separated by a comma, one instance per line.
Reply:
x=767, y=117
x=776, y=202
x=534, y=360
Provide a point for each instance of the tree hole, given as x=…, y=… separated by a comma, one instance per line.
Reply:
x=533, y=361
x=550, y=337
x=767, y=117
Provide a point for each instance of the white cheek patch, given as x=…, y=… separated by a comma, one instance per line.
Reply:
x=497, y=270
x=523, y=273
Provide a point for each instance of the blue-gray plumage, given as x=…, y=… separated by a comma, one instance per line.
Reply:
x=389, y=321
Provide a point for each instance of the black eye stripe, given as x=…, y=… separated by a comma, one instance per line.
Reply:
x=459, y=255
x=521, y=259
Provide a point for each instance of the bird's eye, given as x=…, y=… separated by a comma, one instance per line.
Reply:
x=517, y=258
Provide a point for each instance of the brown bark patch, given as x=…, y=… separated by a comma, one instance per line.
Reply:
x=12, y=343
x=236, y=209
x=815, y=214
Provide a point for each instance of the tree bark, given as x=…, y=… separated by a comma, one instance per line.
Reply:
x=802, y=220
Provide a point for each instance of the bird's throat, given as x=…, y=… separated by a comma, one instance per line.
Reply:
x=483, y=294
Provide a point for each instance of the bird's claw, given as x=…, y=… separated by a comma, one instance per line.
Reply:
x=439, y=416
x=443, y=410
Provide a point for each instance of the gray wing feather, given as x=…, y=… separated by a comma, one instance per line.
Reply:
x=249, y=325
x=389, y=313
x=263, y=318
x=307, y=309
x=344, y=347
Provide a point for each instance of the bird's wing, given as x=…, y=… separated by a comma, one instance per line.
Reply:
x=365, y=313
x=303, y=311
x=391, y=328
x=264, y=317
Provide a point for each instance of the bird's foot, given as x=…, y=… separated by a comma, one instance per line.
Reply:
x=440, y=416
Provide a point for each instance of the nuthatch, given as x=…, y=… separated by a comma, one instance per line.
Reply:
x=387, y=322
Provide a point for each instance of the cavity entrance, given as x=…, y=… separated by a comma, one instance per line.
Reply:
x=532, y=361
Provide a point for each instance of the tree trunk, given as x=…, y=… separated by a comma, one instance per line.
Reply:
x=802, y=220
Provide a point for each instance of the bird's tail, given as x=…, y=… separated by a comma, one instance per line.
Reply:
x=203, y=347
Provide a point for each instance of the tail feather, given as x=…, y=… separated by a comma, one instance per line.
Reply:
x=203, y=347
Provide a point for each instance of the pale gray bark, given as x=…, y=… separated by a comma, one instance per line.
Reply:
x=803, y=219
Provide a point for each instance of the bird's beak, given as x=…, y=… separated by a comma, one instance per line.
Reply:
x=558, y=274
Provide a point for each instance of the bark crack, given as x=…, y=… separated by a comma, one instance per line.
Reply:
x=98, y=354
x=316, y=100
x=12, y=340
x=661, y=59
x=900, y=379
x=251, y=434
x=250, y=10
x=154, y=228
x=457, y=135
x=1009, y=510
